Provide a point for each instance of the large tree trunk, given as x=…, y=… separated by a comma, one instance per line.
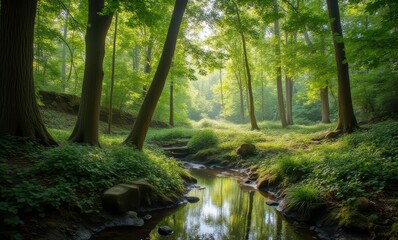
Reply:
x=112, y=77
x=222, y=94
x=19, y=113
x=281, y=104
x=86, y=128
x=289, y=100
x=141, y=125
x=346, y=120
x=253, y=121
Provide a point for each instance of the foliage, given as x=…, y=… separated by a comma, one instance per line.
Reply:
x=303, y=198
x=202, y=140
x=75, y=176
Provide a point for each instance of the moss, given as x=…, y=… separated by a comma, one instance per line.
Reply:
x=351, y=219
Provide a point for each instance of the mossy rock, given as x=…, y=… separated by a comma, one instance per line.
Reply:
x=352, y=220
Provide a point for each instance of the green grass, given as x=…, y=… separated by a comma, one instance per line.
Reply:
x=303, y=198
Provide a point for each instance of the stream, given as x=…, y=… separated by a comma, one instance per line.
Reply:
x=226, y=210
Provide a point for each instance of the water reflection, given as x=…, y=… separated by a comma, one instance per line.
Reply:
x=227, y=211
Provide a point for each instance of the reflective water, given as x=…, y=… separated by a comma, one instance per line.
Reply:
x=226, y=210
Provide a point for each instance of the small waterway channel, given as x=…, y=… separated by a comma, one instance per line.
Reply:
x=227, y=210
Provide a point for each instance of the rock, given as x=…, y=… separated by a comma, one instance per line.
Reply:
x=272, y=203
x=192, y=199
x=246, y=149
x=132, y=214
x=121, y=198
x=201, y=188
x=165, y=230
x=148, y=194
x=147, y=217
x=83, y=234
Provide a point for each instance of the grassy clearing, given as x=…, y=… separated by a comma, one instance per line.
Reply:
x=343, y=171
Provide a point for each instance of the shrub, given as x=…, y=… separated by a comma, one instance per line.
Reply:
x=303, y=198
x=202, y=140
x=291, y=168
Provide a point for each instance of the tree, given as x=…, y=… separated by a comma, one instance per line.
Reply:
x=112, y=77
x=253, y=121
x=86, y=128
x=346, y=118
x=19, y=113
x=141, y=125
x=281, y=105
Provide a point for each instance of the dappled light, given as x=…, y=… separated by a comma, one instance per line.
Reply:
x=192, y=119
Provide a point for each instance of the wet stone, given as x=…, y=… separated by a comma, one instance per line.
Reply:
x=192, y=199
x=272, y=203
x=147, y=217
x=165, y=230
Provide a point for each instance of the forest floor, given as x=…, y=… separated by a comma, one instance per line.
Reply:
x=353, y=177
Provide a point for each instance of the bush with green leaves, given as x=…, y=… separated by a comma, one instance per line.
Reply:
x=203, y=140
x=303, y=198
x=75, y=177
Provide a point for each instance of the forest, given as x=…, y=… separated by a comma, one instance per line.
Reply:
x=216, y=119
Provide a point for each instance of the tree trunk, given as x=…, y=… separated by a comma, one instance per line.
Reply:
x=63, y=67
x=112, y=77
x=281, y=104
x=222, y=95
x=346, y=120
x=242, y=110
x=141, y=125
x=253, y=121
x=19, y=113
x=324, y=93
x=289, y=100
x=148, y=67
x=86, y=128
x=171, y=117
x=262, y=97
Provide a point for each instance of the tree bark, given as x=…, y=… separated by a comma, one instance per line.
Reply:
x=141, y=125
x=112, y=77
x=148, y=66
x=346, y=119
x=63, y=67
x=171, y=116
x=86, y=128
x=281, y=104
x=324, y=94
x=222, y=95
x=242, y=110
x=289, y=100
x=253, y=121
x=19, y=113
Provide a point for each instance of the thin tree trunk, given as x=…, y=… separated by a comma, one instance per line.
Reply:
x=281, y=104
x=19, y=113
x=63, y=68
x=222, y=95
x=242, y=110
x=141, y=125
x=112, y=77
x=289, y=100
x=171, y=116
x=253, y=121
x=262, y=97
x=148, y=67
x=86, y=128
x=346, y=120
x=324, y=94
